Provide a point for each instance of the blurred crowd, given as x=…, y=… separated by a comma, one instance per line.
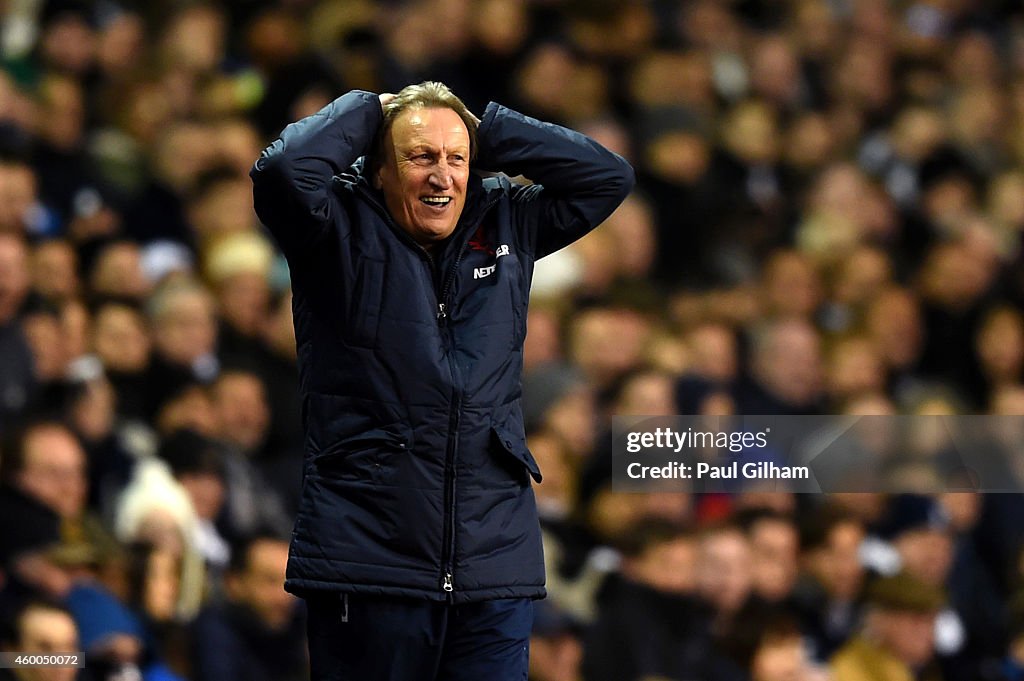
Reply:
x=828, y=220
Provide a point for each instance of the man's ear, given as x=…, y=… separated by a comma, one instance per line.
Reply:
x=378, y=179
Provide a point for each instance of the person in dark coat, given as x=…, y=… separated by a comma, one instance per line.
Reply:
x=417, y=542
x=257, y=633
x=651, y=622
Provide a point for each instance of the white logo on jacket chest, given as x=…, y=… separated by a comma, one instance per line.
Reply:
x=481, y=272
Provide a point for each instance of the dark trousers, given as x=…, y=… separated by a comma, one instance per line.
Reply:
x=373, y=638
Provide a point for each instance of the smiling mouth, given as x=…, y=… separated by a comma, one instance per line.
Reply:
x=436, y=201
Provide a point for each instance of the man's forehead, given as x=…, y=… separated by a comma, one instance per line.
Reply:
x=429, y=126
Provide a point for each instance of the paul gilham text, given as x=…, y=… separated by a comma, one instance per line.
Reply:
x=761, y=470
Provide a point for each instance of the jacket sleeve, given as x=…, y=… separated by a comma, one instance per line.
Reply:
x=577, y=182
x=292, y=177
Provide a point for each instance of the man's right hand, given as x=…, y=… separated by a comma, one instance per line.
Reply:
x=385, y=99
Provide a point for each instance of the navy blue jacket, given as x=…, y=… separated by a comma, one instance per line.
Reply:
x=417, y=476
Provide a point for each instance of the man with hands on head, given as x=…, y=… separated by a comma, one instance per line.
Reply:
x=417, y=544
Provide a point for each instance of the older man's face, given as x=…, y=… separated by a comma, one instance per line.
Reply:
x=425, y=171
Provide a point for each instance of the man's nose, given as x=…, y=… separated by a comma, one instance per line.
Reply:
x=441, y=178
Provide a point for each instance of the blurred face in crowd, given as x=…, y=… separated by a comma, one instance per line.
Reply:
x=69, y=44
x=425, y=171
x=724, y=570
x=54, y=269
x=955, y=276
x=122, y=41
x=788, y=362
x=598, y=257
x=259, y=585
x=501, y=26
x=239, y=143
x=791, y=285
x=1008, y=401
x=195, y=39
x=542, y=76
x=555, y=494
x=17, y=195
x=543, y=342
x=650, y=393
x=636, y=238
x=679, y=156
x=895, y=326
x=242, y=409
x=713, y=352
x=1004, y=202
x=182, y=150
x=14, y=275
x=207, y=491
x=118, y=272
x=572, y=418
x=862, y=275
x=94, y=409
x=809, y=143
x=42, y=330
x=669, y=566
x=751, y=133
x=854, y=369
x=837, y=564
x=244, y=299
x=54, y=470
x=963, y=509
x=186, y=329
x=779, y=658
x=775, y=72
x=192, y=408
x=910, y=636
x=774, y=546
x=926, y=553
x=63, y=112
x=224, y=208
x=608, y=342
x=42, y=631
x=120, y=338
x=1000, y=346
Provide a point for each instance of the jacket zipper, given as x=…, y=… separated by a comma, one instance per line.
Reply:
x=455, y=418
x=448, y=550
x=454, y=424
x=442, y=298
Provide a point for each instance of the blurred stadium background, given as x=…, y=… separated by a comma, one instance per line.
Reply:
x=828, y=220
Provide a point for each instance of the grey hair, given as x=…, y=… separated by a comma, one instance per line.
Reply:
x=425, y=95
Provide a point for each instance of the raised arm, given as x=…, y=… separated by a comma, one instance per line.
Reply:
x=577, y=182
x=292, y=177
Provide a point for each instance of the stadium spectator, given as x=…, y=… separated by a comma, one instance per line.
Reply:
x=898, y=638
x=41, y=628
x=258, y=632
x=829, y=590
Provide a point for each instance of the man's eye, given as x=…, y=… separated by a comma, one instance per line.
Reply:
x=457, y=159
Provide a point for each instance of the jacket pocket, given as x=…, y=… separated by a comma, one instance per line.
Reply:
x=513, y=445
x=366, y=456
x=363, y=317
